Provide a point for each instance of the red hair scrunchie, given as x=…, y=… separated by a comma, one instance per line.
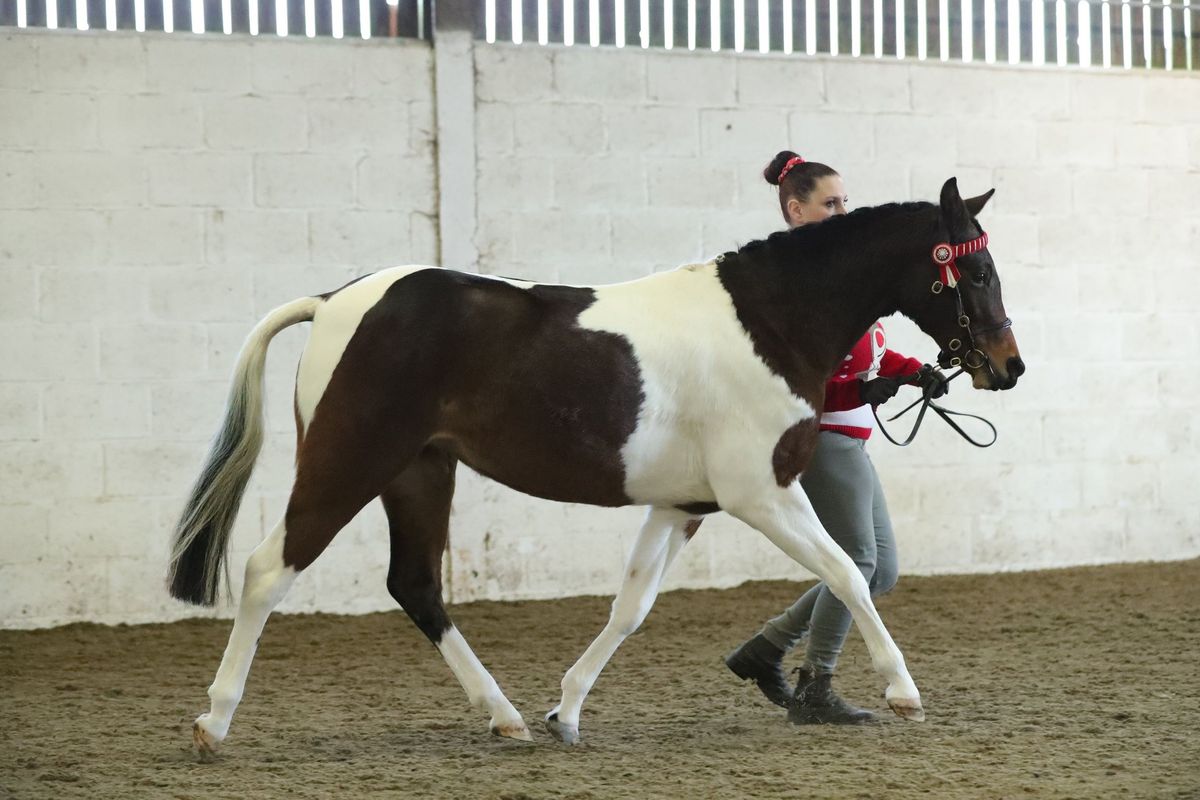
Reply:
x=788, y=167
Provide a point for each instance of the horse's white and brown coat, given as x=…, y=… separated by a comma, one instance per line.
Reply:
x=686, y=391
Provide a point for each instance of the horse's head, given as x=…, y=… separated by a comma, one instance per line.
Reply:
x=957, y=299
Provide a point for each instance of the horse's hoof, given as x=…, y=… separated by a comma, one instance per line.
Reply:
x=567, y=734
x=908, y=709
x=204, y=743
x=512, y=730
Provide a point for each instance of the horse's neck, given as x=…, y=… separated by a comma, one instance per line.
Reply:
x=843, y=309
x=808, y=316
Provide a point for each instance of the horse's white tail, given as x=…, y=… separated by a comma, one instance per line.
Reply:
x=202, y=535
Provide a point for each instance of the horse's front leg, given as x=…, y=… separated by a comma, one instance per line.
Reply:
x=786, y=517
x=661, y=538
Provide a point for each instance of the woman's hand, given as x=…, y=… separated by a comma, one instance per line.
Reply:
x=879, y=390
x=933, y=380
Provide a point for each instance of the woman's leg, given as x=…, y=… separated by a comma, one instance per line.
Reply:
x=887, y=562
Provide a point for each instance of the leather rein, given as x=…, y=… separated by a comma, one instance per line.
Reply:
x=925, y=401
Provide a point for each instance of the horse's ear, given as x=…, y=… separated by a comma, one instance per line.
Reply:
x=953, y=210
x=976, y=204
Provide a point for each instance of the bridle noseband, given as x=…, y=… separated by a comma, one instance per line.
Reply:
x=944, y=257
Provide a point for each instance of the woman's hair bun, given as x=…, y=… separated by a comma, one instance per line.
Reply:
x=771, y=173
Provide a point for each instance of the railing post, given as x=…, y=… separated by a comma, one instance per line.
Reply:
x=454, y=24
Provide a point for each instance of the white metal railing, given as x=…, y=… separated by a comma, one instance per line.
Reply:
x=309, y=18
x=1162, y=34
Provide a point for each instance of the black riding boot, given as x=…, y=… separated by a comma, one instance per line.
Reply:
x=815, y=703
x=762, y=662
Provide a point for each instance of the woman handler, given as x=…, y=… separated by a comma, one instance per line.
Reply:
x=840, y=481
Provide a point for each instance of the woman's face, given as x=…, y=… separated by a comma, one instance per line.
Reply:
x=828, y=198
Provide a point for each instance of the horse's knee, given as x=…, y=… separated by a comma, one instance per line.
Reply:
x=627, y=625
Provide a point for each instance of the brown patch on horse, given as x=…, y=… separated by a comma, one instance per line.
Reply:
x=700, y=508
x=497, y=376
x=690, y=527
x=793, y=451
x=798, y=347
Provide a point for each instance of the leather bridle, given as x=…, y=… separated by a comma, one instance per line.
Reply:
x=945, y=256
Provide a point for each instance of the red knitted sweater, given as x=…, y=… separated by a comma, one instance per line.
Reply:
x=844, y=410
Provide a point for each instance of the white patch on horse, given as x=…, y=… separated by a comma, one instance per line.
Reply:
x=698, y=366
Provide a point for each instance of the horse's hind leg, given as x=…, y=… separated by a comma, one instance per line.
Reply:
x=335, y=478
x=662, y=536
x=418, y=510
x=267, y=581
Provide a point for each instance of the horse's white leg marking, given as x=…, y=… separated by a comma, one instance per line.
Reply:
x=661, y=538
x=787, y=518
x=481, y=688
x=267, y=581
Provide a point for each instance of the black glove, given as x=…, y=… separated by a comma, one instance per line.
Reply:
x=933, y=381
x=878, y=391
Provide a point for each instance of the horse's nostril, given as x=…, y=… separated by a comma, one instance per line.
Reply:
x=1016, y=367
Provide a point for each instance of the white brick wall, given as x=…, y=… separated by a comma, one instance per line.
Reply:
x=1093, y=228
x=158, y=194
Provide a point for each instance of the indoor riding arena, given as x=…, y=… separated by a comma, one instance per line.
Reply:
x=181, y=180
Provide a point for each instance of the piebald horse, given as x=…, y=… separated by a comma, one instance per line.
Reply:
x=689, y=391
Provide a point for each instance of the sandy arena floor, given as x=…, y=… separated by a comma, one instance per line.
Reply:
x=1079, y=683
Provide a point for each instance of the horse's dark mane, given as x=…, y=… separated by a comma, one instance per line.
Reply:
x=837, y=228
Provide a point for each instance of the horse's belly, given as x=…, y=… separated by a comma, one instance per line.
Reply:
x=664, y=466
x=571, y=472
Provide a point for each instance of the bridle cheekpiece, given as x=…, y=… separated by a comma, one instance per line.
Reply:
x=944, y=256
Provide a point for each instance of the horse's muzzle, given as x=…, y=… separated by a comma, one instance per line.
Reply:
x=989, y=377
x=1002, y=363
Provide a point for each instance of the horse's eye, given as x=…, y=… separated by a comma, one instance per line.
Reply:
x=978, y=278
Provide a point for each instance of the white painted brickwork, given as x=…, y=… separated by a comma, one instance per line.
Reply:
x=657, y=161
x=159, y=194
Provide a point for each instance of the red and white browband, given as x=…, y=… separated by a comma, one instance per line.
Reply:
x=945, y=254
